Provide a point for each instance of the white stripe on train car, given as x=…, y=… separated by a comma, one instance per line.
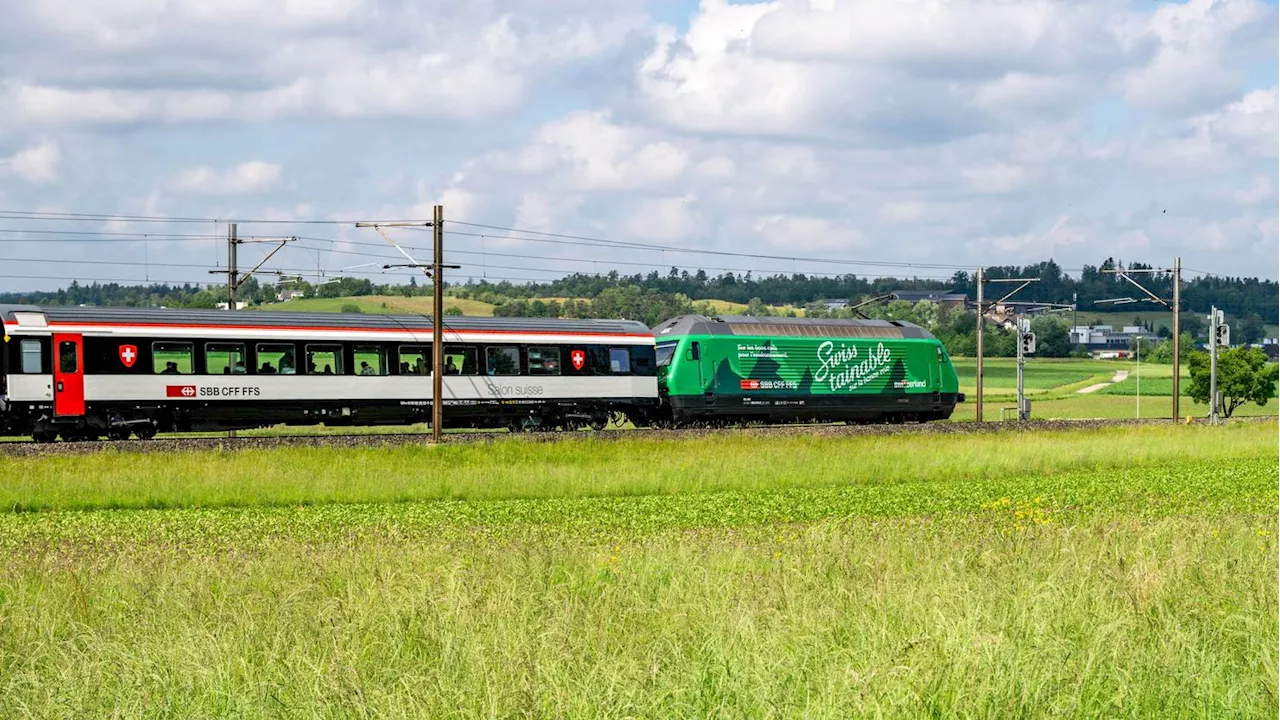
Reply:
x=30, y=388
x=389, y=388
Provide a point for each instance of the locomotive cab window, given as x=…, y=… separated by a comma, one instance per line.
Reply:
x=68, y=360
x=225, y=359
x=32, y=357
x=460, y=360
x=619, y=360
x=324, y=359
x=172, y=358
x=276, y=359
x=415, y=360
x=502, y=360
x=370, y=360
x=544, y=361
x=665, y=352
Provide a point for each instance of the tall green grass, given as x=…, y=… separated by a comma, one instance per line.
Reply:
x=1120, y=572
x=589, y=467
x=1172, y=618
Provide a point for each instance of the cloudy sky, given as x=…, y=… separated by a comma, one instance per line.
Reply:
x=938, y=132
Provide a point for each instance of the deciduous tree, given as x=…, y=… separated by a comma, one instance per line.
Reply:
x=1244, y=375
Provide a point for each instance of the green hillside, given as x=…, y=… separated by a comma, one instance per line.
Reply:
x=380, y=304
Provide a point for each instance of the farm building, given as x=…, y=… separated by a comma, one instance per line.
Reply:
x=1106, y=338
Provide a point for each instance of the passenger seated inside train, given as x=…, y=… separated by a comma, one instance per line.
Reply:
x=170, y=368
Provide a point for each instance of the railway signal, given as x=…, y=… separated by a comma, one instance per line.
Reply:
x=1219, y=336
x=1026, y=344
x=1221, y=332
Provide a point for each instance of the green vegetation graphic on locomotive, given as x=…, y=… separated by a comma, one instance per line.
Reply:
x=803, y=369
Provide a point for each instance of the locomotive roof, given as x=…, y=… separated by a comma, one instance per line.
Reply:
x=803, y=327
x=271, y=318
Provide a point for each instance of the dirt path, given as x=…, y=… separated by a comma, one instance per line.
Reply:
x=1120, y=376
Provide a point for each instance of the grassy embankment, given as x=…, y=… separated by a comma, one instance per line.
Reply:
x=380, y=305
x=1127, y=572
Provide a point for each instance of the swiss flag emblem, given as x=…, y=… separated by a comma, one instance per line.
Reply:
x=578, y=358
x=128, y=355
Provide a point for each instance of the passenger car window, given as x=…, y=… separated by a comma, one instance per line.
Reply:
x=619, y=360
x=460, y=360
x=32, y=357
x=276, y=359
x=172, y=358
x=324, y=359
x=502, y=360
x=544, y=361
x=225, y=359
x=370, y=360
x=68, y=362
x=415, y=360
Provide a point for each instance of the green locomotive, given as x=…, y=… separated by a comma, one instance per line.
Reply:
x=739, y=369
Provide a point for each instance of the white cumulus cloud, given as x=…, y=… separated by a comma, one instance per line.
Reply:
x=247, y=177
x=36, y=164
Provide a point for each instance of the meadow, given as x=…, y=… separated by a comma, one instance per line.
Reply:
x=1053, y=386
x=1119, y=572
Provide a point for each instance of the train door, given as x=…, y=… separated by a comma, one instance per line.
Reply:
x=68, y=374
x=694, y=355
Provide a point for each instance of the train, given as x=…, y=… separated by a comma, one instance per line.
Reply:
x=720, y=370
x=84, y=373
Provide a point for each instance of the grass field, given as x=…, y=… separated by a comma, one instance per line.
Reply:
x=1127, y=572
x=1053, y=385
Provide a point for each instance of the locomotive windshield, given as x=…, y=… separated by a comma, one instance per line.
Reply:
x=664, y=353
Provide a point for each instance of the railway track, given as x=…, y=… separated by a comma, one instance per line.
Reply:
x=258, y=442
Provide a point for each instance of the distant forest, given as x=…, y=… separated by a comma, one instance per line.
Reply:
x=1240, y=297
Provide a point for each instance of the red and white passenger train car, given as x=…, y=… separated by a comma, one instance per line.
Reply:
x=82, y=373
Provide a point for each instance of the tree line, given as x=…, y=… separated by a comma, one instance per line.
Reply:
x=653, y=298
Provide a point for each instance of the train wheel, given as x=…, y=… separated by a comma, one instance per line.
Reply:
x=146, y=433
x=44, y=436
x=117, y=435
